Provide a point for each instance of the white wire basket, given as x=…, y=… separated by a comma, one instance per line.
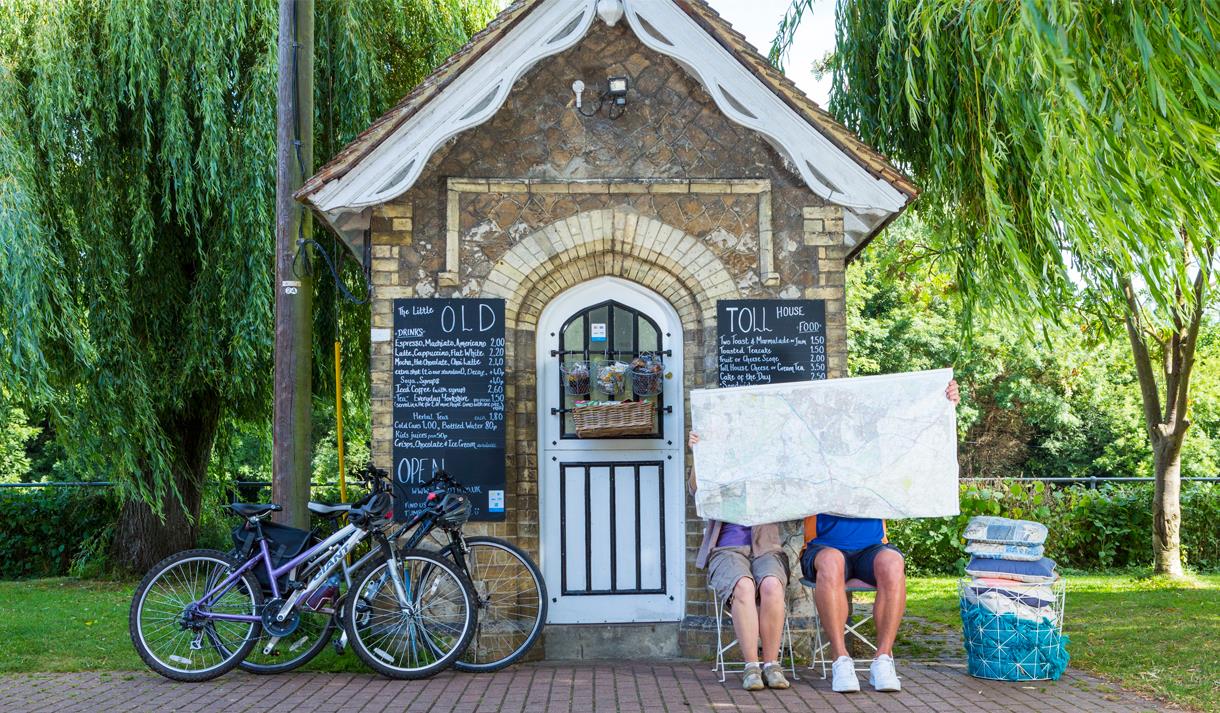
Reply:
x=1013, y=631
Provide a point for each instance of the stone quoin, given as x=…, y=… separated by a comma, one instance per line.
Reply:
x=608, y=223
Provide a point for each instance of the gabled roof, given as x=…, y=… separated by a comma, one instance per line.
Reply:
x=468, y=88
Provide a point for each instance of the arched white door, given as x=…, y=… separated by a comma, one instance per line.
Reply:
x=612, y=509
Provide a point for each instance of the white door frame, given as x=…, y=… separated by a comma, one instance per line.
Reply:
x=669, y=450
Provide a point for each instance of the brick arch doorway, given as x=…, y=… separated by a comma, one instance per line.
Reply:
x=612, y=510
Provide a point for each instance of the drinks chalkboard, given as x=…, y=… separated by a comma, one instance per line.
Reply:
x=770, y=341
x=449, y=400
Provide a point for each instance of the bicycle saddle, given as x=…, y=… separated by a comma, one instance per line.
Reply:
x=329, y=511
x=254, y=509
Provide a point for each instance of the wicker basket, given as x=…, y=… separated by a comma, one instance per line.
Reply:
x=629, y=418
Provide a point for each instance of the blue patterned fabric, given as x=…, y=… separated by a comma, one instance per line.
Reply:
x=996, y=551
x=1007, y=648
x=986, y=528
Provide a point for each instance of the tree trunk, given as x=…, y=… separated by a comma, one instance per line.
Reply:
x=1167, y=506
x=142, y=537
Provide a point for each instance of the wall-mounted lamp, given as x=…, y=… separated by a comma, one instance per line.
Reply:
x=615, y=93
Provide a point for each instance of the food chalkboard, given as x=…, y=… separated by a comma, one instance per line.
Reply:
x=770, y=341
x=449, y=400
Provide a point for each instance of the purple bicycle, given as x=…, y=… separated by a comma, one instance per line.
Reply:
x=197, y=614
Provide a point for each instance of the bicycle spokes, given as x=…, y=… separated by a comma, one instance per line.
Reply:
x=178, y=630
x=510, y=604
x=418, y=628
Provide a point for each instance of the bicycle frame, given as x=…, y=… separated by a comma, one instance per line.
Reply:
x=426, y=522
x=346, y=539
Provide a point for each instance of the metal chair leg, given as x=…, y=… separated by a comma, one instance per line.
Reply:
x=791, y=650
x=719, y=666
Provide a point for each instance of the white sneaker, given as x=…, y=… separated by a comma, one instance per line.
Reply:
x=844, y=675
x=882, y=675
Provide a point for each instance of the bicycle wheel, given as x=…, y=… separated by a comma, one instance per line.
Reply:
x=291, y=652
x=173, y=636
x=511, y=596
x=416, y=637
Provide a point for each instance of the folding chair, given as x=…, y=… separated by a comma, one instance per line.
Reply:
x=724, y=611
x=821, y=647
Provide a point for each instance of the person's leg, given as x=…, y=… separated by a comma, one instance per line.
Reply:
x=883, y=567
x=771, y=616
x=745, y=618
x=830, y=596
x=889, y=569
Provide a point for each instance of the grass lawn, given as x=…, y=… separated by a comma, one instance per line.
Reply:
x=1147, y=634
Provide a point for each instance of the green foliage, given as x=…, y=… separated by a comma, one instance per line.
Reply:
x=1067, y=154
x=1037, y=128
x=137, y=144
x=1063, y=405
x=15, y=433
x=44, y=531
x=1089, y=529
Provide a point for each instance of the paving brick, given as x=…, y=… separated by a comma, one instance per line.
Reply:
x=591, y=688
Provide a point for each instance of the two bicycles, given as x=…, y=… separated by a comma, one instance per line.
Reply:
x=277, y=599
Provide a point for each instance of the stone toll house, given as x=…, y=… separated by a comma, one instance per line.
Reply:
x=716, y=179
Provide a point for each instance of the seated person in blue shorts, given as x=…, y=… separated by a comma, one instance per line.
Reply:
x=840, y=549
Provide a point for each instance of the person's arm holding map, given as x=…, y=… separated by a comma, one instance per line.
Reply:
x=747, y=566
x=840, y=549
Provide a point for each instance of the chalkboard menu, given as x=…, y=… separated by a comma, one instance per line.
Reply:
x=449, y=400
x=770, y=341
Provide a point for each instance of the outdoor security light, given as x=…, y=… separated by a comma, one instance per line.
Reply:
x=617, y=90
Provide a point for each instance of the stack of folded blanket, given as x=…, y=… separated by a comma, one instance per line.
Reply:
x=1010, y=616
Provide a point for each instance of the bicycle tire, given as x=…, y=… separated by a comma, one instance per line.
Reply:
x=360, y=613
x=306, y=655
x=468, y=661
x=231, y=655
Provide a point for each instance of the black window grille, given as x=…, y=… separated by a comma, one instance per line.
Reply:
x=601, y=558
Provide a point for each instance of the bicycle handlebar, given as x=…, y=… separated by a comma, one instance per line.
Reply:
x=447, y=482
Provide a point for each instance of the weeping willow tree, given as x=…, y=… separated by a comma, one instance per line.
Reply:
x=137, y=165
x=1069, y=154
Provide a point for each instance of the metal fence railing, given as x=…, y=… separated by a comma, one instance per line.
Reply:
x=1091, y=481
x=257, y=484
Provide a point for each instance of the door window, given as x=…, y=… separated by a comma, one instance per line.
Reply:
x=598, y=335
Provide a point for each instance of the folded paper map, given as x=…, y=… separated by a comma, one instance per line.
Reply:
x=873, y=446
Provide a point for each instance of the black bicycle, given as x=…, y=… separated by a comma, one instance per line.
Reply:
x=509, y=590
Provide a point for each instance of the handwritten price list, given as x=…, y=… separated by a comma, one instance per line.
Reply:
x=449, y=400
x=770, y=341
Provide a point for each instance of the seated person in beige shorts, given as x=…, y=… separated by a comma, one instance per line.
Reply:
x=748, y=566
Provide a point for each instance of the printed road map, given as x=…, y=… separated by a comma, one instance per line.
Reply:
x=872, y=446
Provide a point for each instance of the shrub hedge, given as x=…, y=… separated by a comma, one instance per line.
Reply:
x=57, y=531
x=49, y=532
x=1098, y=529
x=43, y=531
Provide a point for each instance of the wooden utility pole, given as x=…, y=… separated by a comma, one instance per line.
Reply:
x=294, y=283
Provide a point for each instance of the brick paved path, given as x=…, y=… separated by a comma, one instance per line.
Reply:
x=584, y=688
